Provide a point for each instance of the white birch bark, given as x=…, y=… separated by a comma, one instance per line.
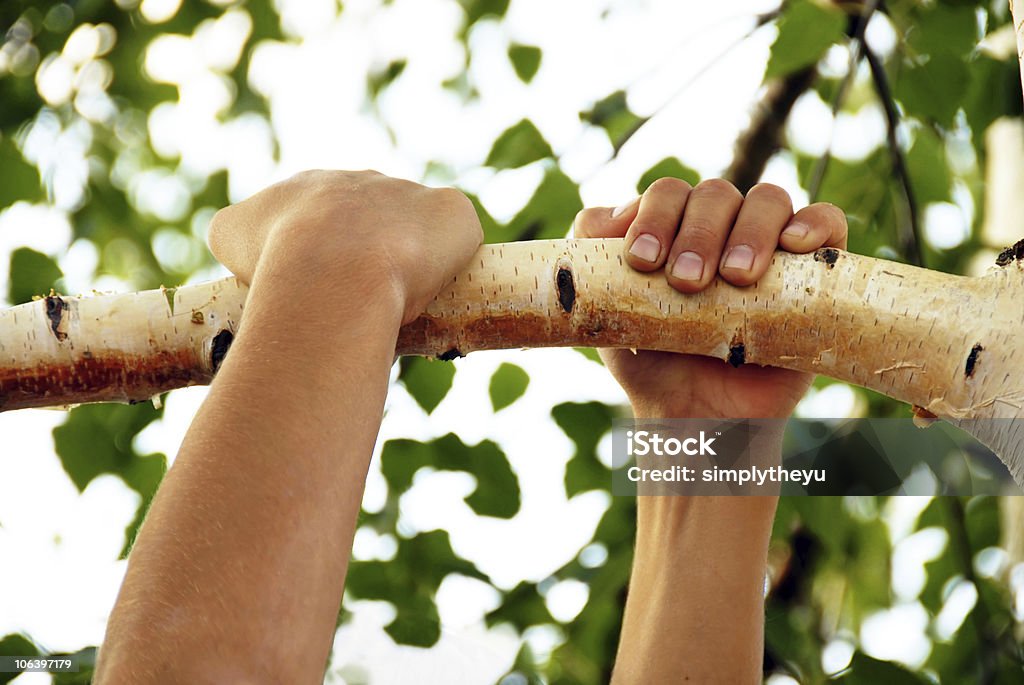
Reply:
x=949, y=344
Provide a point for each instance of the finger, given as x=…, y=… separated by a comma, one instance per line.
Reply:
x=766, y=210
x=605, y=222
x=657, y=220
x=819, y=225
x=710, y=212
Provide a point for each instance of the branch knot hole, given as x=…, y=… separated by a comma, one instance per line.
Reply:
x=55, y=308
x=219, y=348
x=566, y=288
x=828, y=255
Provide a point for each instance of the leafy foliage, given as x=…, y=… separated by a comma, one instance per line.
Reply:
x=806, y=30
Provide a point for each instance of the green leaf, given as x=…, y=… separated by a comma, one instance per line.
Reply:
x=928, y=168
x=518, y=146
x=507, y=385
x=865, y=670
x=548, y=214
x=478, y=9
x=983, y=522
x=584, y=424
x=379, y=80
x=933, y=91
x=525, y=60
x=807, y=30
x=993, y=92
x=522, y=607
x=15, y=645
x=427, y=380
x=615, y=117
x=943, y=27
x=409, y=582
x=21, y=179
x=416, y=623
x=670, y=167
x=97, y=439
x=497, y=488
x=32, y=273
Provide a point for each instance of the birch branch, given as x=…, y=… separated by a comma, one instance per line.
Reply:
x=948, y=344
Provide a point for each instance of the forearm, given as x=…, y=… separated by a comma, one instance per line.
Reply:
x=239, y=568
x=695, y=607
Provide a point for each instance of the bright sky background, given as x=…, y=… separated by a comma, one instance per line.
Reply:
x=65, y=544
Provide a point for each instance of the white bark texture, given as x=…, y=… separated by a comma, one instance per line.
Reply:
x=947, y=344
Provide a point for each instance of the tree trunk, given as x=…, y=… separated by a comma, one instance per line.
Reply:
x=942, y=342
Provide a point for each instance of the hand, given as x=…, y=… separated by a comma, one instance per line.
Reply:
x=696, y=234
x=349, y=232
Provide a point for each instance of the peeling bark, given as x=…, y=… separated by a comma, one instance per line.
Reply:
x=944, y=343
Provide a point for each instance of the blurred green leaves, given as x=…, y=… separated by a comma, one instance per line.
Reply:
x=507, y=385
x=669, y=167
x=831, y=558
x=518, y=146
x=31, y=273
x=97, y=439
x=806, y=30
x=20, y=178
x=615, y=117
x=497, y=488
x=525, y=60
x=409, y=582
x=933, y=90
x=585, y=424
x=427, y=380
x=549, y=212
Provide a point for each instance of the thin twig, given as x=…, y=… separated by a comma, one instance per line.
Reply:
x=762, y=138
x=911, y=241
x=760, y=21
x=856, y=52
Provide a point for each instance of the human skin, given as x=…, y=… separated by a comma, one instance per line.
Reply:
x=276, y=457
x=694, y=610
x=238, y=570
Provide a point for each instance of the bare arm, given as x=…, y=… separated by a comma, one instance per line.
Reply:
x=238, y=571
x=694, y=611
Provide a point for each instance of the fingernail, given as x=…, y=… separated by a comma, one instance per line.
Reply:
x=740, y=257
x=620, y=210
x=688, y=267
x=646, y=247
x=796, y=231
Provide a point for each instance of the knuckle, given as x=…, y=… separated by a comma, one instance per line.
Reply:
x=755, y=234
x=455, y=199
x=669, y=184
x=700, y=231
x=771, y=193
x=717, y=187
x=215, y=232
x=651, y=225
x=580, y=222
x=835, y=213
x=307, y=176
